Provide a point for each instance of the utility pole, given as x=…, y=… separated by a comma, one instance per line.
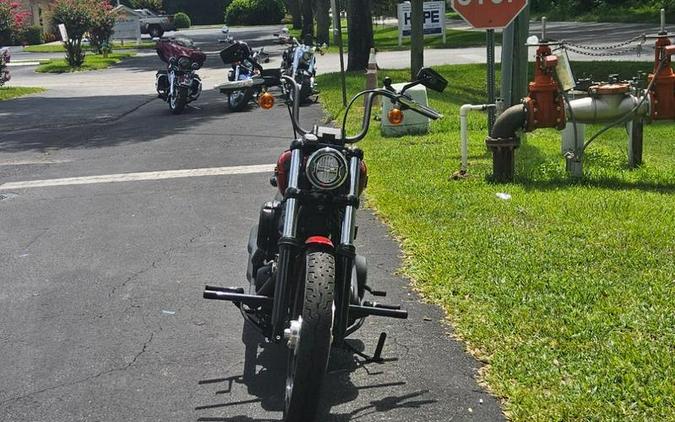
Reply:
x=337, y=39
x=416, y=37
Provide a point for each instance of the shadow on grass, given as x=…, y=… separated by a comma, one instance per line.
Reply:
x=529, y=157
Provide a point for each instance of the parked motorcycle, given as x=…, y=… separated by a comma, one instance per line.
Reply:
x=246, y=79
x=299, y=62
x=5, y=58
x=179, y=84
x=307, y=283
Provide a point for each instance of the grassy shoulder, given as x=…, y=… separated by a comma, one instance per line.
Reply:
x=91, y=62
x=621, y=14
x=386, y=39
x=565, y=290
x=58, y=48
x=10, y=92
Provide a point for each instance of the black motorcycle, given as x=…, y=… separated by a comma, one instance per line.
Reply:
x=246, y=79
x=179, y=84
x=307, y=283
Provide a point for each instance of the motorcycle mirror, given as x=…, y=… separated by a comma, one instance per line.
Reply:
x=431, y=79
x=195, y=66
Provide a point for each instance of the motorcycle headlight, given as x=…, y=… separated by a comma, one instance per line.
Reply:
x=326, y=169
x=307, y=56
x=184, y=63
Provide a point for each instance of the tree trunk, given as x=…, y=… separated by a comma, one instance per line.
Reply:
x=360, y=27
x=321, y=9
x=307, y=17
x=293, y=7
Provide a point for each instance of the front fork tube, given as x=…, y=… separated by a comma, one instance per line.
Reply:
x=346, y=252
x=287, y=246
x=172, y=82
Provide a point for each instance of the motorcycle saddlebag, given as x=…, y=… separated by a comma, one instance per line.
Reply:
x=162, y=82
x=272, y=77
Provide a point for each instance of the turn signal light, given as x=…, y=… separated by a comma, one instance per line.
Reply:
x=395, y=116
x=266, y=100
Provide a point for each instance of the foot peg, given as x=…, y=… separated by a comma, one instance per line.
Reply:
x=236, y=295
x=380, y=293
x=376, y=309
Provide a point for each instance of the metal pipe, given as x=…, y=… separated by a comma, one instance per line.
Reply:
x=543, y=28
x=663, y=21
x=605, y=108
x=509, y=122
x=464, y=131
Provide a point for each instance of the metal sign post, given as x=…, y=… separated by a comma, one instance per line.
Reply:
x=491, y=78
x=337, y=36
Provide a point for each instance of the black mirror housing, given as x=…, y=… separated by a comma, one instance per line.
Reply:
x=431, y=79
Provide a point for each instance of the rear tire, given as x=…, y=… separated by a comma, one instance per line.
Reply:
x=307, y=363
x=238, y=100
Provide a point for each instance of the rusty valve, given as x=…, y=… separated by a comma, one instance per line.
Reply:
x=545, y=106
x=662, y=93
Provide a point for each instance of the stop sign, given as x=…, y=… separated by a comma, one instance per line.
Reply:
x=488, y=14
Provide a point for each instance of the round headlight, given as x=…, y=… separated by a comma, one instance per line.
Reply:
x=307, y=56
x=327, y=169
x=184, y=63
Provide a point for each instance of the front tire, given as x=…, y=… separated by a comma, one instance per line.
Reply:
x=238, y=100
x=178, y=101
x=308, y=361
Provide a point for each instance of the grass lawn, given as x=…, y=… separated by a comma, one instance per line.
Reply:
x=91, y=62
x=386, y=39
x=9, y=92
x=566, y=290
x=58, y=48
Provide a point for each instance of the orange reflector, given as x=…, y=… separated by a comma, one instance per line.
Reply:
x=266, y=100
x=395, y=116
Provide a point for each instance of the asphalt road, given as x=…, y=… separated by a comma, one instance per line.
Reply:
x=101, y=316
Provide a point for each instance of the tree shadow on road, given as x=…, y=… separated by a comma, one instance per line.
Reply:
x=266, y=385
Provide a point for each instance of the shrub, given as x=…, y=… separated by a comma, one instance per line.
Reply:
x=76, y=15
x=182, y=20
x=32, y=35
x=12, y=21
x=154, y=5
x=4, y=71
x=102, y=23
x=254, y=12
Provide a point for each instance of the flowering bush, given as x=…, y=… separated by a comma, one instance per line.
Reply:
x=102, y=23
x=4, y=71
x=76, y=15
x=12, y=21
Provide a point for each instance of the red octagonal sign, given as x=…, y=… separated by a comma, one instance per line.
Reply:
x=488, y=14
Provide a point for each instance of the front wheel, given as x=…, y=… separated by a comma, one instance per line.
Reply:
x=238, y=100
x=178, y=100
x=310, y=338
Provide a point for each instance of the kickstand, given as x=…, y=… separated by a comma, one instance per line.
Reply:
x=193, y=107
x=377, y=356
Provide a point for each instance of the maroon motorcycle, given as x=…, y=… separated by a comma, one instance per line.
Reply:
x=179, y=84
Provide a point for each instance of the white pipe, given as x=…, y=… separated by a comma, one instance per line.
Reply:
x=464, y=131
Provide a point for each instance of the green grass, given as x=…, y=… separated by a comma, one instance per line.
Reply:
x=58, y=48
x=10, y=92
x=566, y=290
x=91, y=62
x=386, y=39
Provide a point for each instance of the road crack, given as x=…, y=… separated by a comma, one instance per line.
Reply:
x=123, y=368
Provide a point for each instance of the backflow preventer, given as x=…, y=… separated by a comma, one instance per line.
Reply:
x=614, y=103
